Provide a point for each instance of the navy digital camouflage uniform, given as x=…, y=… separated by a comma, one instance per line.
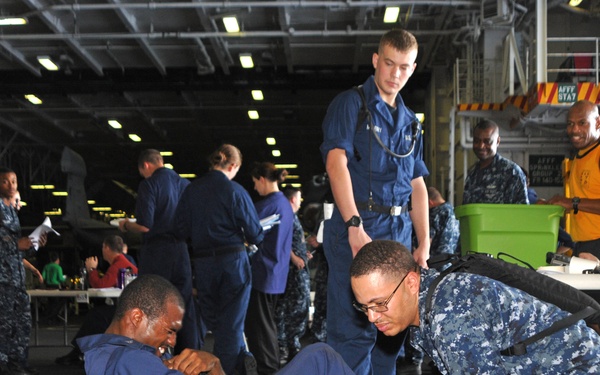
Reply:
x=503, y=181
x=444, y=230
x=318, y=328
x=15, y=313
x=473, y=318
x=292, y=308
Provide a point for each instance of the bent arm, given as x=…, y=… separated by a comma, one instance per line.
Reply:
x=586, y=204
x=192, y=362
x=33, y=270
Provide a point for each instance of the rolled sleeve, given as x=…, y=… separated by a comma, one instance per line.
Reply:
x=339, y=125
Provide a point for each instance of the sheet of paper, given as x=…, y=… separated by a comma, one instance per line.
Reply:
x=269, y=221
x=42, y=229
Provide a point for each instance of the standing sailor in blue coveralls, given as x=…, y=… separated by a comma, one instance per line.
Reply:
x=376, y=171
x=162, y=254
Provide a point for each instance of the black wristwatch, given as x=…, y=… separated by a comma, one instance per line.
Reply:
x=355, y=221
x=575, y=201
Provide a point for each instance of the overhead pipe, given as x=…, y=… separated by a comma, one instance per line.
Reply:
x=258, y=4
x=205, y=34
x=452, y=151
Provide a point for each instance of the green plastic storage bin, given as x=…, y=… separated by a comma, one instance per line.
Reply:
x=526, y=232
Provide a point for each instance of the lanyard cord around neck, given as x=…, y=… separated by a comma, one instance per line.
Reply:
x=416, y=127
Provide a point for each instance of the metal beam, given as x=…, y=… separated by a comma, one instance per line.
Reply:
x=245, y=34
x=18, y=56
x=130, y=23
x=5, y=120
x=55, y=25
x=218, y=45
x=284, y=23
x=142, y=111
x=360, y=24
x=45, y=116
x=262, y=4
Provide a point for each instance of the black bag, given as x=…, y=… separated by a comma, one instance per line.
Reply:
x=545, y=288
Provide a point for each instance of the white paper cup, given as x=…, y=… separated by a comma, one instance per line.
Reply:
x=578, y=265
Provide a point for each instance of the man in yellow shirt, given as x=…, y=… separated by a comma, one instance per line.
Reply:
x=583, y=178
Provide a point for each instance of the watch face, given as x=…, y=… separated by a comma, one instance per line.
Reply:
x=353, y=222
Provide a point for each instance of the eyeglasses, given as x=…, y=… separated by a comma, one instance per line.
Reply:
x=380, y=306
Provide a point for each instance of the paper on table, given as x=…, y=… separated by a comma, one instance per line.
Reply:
x=269, y=221
x=44, y=228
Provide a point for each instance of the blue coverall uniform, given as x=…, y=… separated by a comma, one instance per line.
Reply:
x=389, y=179
x=161, y=253
x=218, y=215
x=115, y=354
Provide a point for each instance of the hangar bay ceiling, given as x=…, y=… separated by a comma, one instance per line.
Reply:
x=170, y=73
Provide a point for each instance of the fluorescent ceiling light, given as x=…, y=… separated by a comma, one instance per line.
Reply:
x=296, y=185
x=253, y=114
x=246, y=60
x=91, y=201
x=60, y=193
x=135, y=137
x=168, y=165
x=23, y=204
x=575, y=3
x=276, y=153
x=9, y=21
x=271, y=141
x=53, y=213
x=98, y=209
x=41, y=187
x=391, y=14
x=187, y=175
x=116, y=215
x=292, y=177
x=420, y=117
x=166, y=153
x=231, y=24
x=115, y=124
x=286, y=166
x=47, y=63
x=257, y=95
x=33, y=99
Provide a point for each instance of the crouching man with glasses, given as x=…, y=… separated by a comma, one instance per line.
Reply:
x=472, y=318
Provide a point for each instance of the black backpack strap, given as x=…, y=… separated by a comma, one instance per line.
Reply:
x=502, y=254
x=520, y=348
x=364, y=112
x=457, y=264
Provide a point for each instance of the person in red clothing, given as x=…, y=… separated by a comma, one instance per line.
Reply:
x=98, y=319
x=112, y=252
